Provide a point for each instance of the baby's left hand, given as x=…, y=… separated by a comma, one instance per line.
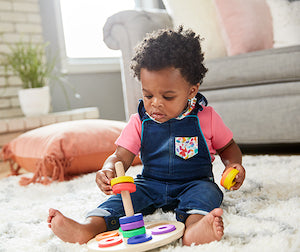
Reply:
x=240, y=177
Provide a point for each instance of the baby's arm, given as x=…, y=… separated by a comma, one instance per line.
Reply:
x=107, y=172
x=231, y=156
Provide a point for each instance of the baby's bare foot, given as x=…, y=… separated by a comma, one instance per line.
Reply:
x=208, y=229
x=67, y=229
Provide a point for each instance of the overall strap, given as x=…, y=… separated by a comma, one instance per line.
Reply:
x=141, y=110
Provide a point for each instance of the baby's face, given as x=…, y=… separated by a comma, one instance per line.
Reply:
x=165, y=93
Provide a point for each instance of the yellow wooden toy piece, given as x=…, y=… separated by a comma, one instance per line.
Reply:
x=121, y=179
x=126, y=199
x=228, y=177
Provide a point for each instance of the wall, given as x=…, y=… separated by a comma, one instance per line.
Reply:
x=19, y=19
x=102, y=90
x=35, y=20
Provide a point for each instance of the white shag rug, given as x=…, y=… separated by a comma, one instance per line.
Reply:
x=262, y=216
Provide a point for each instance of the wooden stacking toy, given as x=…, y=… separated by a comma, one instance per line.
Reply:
x=134, y=234
x=132, y=224
x=228, y=178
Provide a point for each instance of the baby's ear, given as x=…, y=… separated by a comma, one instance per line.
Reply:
x=194, y=90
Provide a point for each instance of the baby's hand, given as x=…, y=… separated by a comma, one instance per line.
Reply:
x=103, y=178
x=240, y=177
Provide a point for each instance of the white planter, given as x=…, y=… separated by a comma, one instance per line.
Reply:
x=35, y=101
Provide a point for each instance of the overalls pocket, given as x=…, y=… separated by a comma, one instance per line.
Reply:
x=186, y=147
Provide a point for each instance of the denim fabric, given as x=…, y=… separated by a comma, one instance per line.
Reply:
x=151, y=194
x=158, y=148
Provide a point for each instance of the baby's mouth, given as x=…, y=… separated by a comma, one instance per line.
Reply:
x=157, y=116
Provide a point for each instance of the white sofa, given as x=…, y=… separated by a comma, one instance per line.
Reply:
x=257, y=94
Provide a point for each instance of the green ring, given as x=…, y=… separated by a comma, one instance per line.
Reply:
x=133, y=232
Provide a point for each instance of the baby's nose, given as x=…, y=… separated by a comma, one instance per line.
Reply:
x=156, y=102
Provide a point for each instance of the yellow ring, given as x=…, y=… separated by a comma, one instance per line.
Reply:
x=229, y=180
x=122, y=179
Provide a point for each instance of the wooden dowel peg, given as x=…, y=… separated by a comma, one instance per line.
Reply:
x=126, y=198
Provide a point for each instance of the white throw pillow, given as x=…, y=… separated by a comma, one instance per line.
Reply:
x=201, y=17
x=286, y=22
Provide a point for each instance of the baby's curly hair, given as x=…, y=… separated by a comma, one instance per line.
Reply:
x=170, y=48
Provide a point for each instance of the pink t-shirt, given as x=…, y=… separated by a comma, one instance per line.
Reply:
x=216, y=133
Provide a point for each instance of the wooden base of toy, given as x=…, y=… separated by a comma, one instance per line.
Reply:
x=156, y=242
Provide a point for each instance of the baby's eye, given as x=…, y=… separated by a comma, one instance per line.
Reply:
x=148, y=96
x=169, y=98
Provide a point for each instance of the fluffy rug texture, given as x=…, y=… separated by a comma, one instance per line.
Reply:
x=262, y=216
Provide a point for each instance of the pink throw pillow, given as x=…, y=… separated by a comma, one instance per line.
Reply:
x=246, y=25
x=61, y=150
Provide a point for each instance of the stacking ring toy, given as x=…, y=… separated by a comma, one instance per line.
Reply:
x=228, y=177
x=129, y=219
x=105, y=235
x=133, y=232
x=163, y=229
x=132, y=225
x=111, y=241
x=139, y=239
x=121, y=179
x=118, y=188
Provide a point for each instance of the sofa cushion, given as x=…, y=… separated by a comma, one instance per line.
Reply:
x=261, y=67
x=286, y=22
x=260, y=114
x=201, y=17
x=246, y=25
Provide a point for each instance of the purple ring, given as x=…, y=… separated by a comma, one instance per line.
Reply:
x=132, y=225
x=162, y=229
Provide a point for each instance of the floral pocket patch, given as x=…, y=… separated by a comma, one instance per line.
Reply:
x=186, y=147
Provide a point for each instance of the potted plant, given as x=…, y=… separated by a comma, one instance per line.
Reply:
x=28, y=61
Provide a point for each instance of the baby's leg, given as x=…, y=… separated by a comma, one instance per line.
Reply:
x=69, y=230
x=202, y=229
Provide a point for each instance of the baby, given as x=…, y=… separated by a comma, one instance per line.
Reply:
x=177, y=135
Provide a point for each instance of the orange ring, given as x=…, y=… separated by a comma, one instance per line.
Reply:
x=118, y=188
x=228, y=177
x=225, y=175
x=105, y=235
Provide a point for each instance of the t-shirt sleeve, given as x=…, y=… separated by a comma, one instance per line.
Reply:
x=221, y=134
x=130, y=137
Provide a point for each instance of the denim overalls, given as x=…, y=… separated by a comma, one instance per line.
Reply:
x=177, y=172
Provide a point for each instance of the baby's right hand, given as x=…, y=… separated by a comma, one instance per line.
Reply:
x=103, y=178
